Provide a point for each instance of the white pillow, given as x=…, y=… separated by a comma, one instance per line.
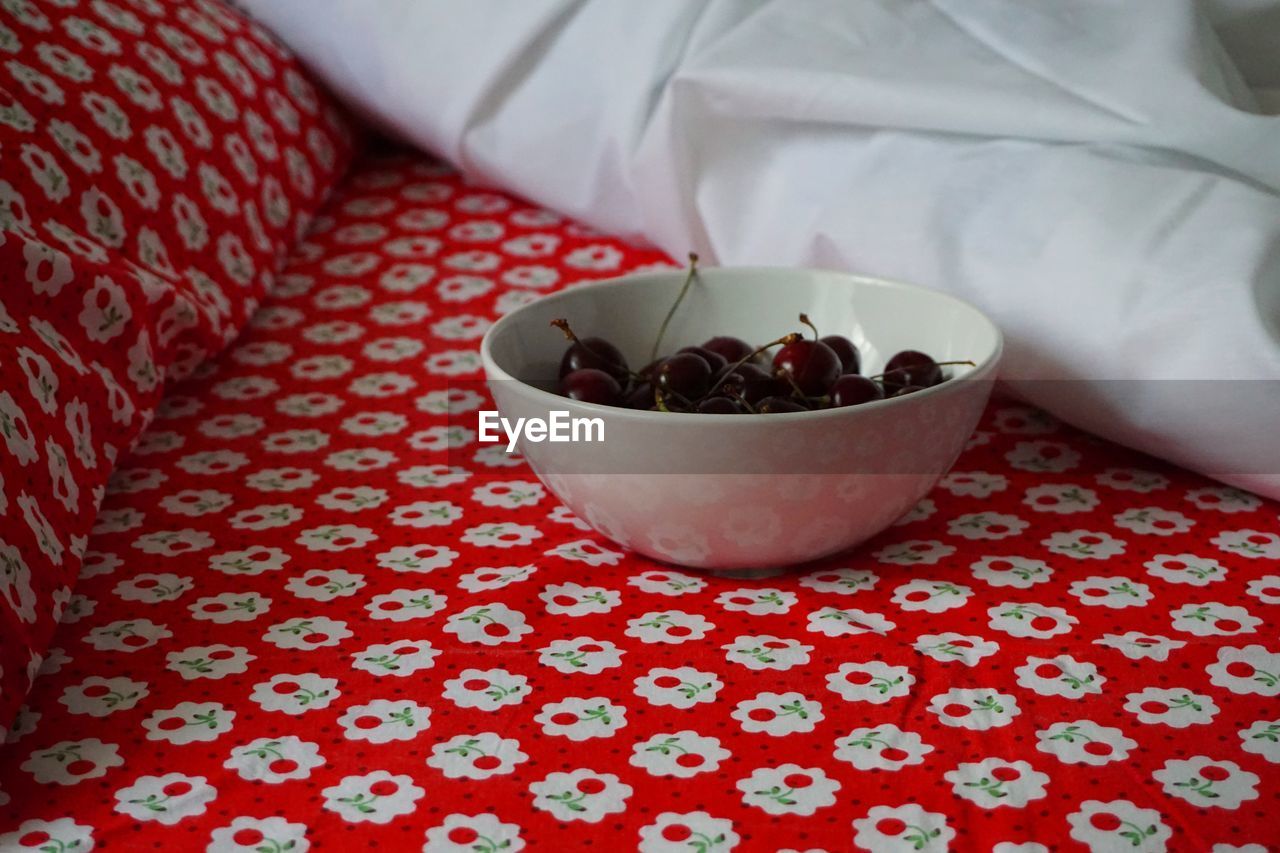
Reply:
x=1096, y=175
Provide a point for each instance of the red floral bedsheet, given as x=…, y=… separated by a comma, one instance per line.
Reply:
x=315, y=613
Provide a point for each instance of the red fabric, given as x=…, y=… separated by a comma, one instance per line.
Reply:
x=159, y=160
x=285, y=631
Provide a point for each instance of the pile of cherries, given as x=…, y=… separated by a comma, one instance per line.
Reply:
x=727, y=376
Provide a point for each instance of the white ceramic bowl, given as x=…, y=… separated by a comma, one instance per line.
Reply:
x=747, y=492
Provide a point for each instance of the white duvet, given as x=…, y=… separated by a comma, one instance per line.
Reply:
x=1099, y=175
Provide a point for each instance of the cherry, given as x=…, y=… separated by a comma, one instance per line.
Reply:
x=593, y=353
x=779, y=405
x=911, y=367
x=80, y=766
x=564, y=718
x=756, y=391
x=1213, y=773
x=858, y=677
x=1153, y=707
x=248, y=837
x=176, y=789
x=1005, y=774
x=718, y=406
x=1048, y=670
x=955, y=709
x=852, y=389
x=283, y=765
x=639, y=397
x=666, y=682
x=1043, y=623
x=475, y=684
x=1097, y=747
x=904, y=390
x=797, y=780
x=811, y=365
x=487, y=762
x=890, y=826
x=1229, y=625
x=34, y=839
x=685, y=374
x=383, y=788
x=676, y=832
x=714, y=359
x=1105, y=822
x=1240, y=669
x=95, y=691
x=589, y=385
x=846, y=351
x=463, y=835
x=590, y=785
x=689, y=759
x=893, y=753
x=731, y=349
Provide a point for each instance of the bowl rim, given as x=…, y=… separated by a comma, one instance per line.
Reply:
x=980, y=372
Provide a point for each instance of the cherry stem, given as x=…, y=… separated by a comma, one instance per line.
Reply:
x=790, y=338
x=688, y=280
x=912, y=367
x=804, y=318
x=786, y=374
x=563, y=325
x=733, y=392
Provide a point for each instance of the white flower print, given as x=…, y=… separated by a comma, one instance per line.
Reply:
x=1266, y=589
x=295, y=694
x=974, y=709
x=1176, y=708
x=580, y=655
x=165, y=799
x=1118, y=825
x=778, y=714
x=1212, y=619
x=950, y=646
x=788, y=789
x=501, y=535
x=581, y=795
x=1207, y=782
x=432, y=476
x=251, y=561
x=1250, y=670
x=490, y=625
x=883, y=747
x=486, y=689
x=837, y=622
x=215, y=661
x=672, y=832
x=914, y=553
x=581, y=719
x=325, y=585
x=668, y=626
x=1153, y=520
x=1030, y=620
x=335, y=537
x=767, y=652
x=930, y=596
x=402, y=658
x=1060, y=676
x=230, y=607
x=377, y=797
x=571, y=599
x=1133, y=480
x=874, y=682
x=1114, y=593
x=1223, y=499
x=994, y=782
x=586, y=551
x=667, y=583
x=274, y=760
x=307, y=633
x=417, y=558
x=843, y=581
x=63, y=834
x=1262, y=738
x=1136, y=645
x=470, y=833
x=683, y=687
x=246, y=834
x=97, y=696
x=757, y=602
x=1084, y=545
x=476, y=756
x=127, y=635
x=170, y=543
x=986, y=525
x=69, y=762
x=384, y=721
x=189, y=722
x=1044, y=457
x=1253, y=544
x=196, y=502
x=489, y=578
x=1060, y=498
x=1186, y=568
x=682, y=754
x=1084, y=742
x=903, y=829
x=1023, y=420
x=402, y=605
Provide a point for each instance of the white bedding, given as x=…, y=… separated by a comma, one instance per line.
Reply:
x=1097, y=175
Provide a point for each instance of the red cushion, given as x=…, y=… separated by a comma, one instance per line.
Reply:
x=159, y=160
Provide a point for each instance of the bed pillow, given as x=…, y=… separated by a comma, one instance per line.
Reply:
x=160, y=158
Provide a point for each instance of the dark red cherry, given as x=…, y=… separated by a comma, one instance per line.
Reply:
x=903, y=390
x=910, y=367
x=779, y=405
x=714, y=359
x=852, y=389
x=596, y=354
x=646, y=372
x=812, y=365
x=731, y=349
x=639, y=397
x=718, y=406
x=757, y=390
x=589, y=385
x=846, y=351
x=685, y=374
